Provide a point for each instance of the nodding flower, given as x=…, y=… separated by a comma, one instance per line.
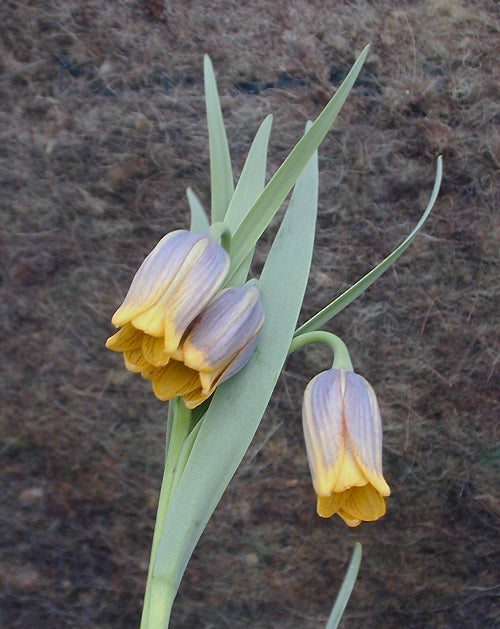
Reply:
x=224, y=336
x=172, y=286
x=343, y=436
x=176, y=329
x=218, y=344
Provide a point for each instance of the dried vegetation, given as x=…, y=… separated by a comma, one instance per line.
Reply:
x=102, y=127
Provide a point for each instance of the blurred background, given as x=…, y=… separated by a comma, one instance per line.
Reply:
x=102, y=129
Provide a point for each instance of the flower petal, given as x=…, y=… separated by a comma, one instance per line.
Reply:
x=229, y=323
x=351, y=522
x=363, y=503
x=193, y=292
x=155, y=274
x=326, y=506
x=127, y=338
x=364, y=429
x=134, y=360
x=322, y=419
x=195, y=398
x=153, y=349
x=210, y=380
x=239, y=361
x=174, y=380
x=351, y=474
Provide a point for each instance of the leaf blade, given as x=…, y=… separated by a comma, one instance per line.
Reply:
x=252, y=178
x=346, y=588
x=276, y=191
x=199, y=220
x=250, y=185
x=221, y=174
x=352, y=293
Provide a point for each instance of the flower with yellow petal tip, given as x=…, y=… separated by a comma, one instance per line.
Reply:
x=343, y=435
x=170, y=289
x=218, y=344
x=188, y=356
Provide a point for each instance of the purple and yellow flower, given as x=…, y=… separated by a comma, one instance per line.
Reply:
x=343, y=436
x=218, y=344
x=172, y=286
x=176, y=330
x=224, y=336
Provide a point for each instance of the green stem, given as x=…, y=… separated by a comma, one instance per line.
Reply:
x=220, y=232
x=341, y=359
x=160, y=602
x=159, y=596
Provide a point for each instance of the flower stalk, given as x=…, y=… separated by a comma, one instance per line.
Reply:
x=159, y=595
x=221, y=233
x=341, y=358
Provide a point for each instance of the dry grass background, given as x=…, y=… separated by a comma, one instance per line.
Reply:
x=102, y=127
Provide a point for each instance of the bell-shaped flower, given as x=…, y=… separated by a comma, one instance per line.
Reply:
x=343, y=436
x=218, y=344
x=170, y=289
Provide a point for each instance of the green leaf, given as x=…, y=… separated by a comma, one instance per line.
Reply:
x=238, y=405
x=252, y=178
x=221, y=174
x=276, y=191
x=199, y=220
x=250, y=185
x=345, y=589
x=341, y=302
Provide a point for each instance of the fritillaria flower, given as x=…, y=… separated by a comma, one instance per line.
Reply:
x=172, y=286
x=219, y=343
x=343, y=435
x=176, y=330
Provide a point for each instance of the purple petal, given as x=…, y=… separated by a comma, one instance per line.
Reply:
x=228, y=324
x=322, y=420
x=364, y=429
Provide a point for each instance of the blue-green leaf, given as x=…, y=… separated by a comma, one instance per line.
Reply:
x=341, y=302
x=345, y=589
x=221, y=174
x=250, y=185
x=252, y=178
x=199, y=220
x=276, y=191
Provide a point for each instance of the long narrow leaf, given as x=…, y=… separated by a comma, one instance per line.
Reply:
x=238, y=405
x=345, y=589
x=199, y=220
x=221, y=174
x=252, y=178
x=250, y=185
x=341, y=302
x=285, y=177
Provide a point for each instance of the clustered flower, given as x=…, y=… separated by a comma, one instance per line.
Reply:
x=177, y=329
x=180, y=330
